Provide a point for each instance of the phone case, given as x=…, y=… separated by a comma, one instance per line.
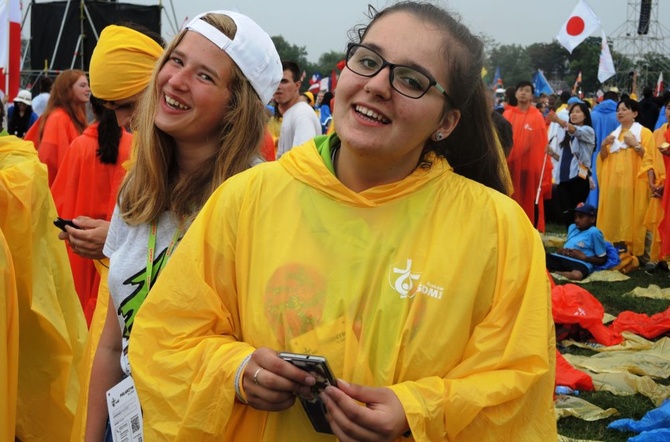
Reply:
x=61, y=223
x=318, y=367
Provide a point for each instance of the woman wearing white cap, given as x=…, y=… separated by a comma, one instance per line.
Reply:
x=20, y=116
x=201, y=121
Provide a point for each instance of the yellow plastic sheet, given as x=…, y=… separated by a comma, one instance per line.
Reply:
x=653, y=291
x=600, y=275
x=627, y=384
x=644, y=363
x=574, y=406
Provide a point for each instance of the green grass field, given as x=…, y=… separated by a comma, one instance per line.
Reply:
x=610, y=294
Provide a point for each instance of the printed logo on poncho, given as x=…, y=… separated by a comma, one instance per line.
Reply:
x=406, y=282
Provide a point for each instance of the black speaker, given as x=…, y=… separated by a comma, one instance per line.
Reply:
x=46, y=20
x=645, y=13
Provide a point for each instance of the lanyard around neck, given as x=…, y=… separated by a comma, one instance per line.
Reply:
x=151, y=249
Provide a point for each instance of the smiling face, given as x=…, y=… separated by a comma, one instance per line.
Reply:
x=375, y=122
x=193, y=87
x=81, y=91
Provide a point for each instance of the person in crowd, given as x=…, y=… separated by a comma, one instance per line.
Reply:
x=421, y=344
x=21, y=115
x=200, y=121
x=648, y=109
x=299, y=122
x=85, y=185
x=527, y=161
x=562, y=103
x=662, y=141
x=653, y=171
x=3, y=131
x=662, y=117
x=573, y=157
x=584, y=247
x=63, y=120
x=41, y=100
x=120, y=70
x=308, y=98
x=509, y=99
x=624, y=197
x=51, y=325
x=603, y=117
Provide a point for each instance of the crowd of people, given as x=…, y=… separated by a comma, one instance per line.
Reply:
x=193, y=258
x=601, y=154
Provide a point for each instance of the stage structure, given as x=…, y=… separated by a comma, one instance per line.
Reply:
x=64, y=33
x=642, y=33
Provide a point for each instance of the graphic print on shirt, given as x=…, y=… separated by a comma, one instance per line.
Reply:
x=402, y=280
x=129, y=307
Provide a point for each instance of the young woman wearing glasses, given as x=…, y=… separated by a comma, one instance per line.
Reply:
x=387, y=247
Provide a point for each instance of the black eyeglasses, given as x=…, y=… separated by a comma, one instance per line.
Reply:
x=408, y=81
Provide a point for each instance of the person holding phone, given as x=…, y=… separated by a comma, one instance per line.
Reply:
x=200, y=121
x=358, y=247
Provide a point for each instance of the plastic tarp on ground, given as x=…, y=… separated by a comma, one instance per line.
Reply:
x=653, y=427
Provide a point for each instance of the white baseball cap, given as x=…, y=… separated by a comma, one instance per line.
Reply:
x=251, y=49
x=24, y=97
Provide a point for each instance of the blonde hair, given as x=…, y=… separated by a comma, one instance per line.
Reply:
x=153, y=184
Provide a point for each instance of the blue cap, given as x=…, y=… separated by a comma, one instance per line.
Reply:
x=574, y=100
x=588, y=209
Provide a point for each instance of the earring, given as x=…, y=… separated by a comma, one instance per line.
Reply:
x=439, y=136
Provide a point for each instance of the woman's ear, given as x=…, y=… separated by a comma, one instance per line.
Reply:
x=449, y=122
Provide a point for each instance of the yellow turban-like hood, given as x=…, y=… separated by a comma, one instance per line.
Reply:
x=122, y=63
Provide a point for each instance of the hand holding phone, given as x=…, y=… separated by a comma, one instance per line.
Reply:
x=318, y=367
x=61, y=223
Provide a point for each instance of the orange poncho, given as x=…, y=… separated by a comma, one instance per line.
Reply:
x=85, y=186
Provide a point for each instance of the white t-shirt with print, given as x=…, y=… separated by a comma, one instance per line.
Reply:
x=127, y=249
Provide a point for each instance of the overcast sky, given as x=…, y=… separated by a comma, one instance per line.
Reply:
x=322, y=26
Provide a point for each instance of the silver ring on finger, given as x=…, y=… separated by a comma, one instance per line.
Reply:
x=256, y=375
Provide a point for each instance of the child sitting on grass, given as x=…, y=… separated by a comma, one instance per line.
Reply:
x=584, y=248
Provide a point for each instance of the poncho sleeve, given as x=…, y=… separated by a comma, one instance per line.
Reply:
x=507, y=369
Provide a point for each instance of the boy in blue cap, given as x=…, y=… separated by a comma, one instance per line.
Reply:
x=584, y=248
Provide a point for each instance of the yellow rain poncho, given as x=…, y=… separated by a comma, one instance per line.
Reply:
x=434, y=286
x=9, y=343
x=624, y=197
x=52, y=328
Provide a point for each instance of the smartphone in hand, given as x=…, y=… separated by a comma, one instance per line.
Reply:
x=318, y=367
x=61, y=223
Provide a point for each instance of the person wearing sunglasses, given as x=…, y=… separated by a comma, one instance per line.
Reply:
x=389, y=248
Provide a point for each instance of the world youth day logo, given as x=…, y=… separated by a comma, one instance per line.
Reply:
x=402, y=280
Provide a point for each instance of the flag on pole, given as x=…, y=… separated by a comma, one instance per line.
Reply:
x=606, y=65
x=497, y=81
x=659, y=85
x=581, y=23
x=578, y=81
x=10, y=54
x=540, y=84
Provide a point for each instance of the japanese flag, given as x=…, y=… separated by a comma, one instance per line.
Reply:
x=581, y=23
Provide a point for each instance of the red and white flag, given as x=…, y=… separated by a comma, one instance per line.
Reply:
x=606, y=65
x=581, y=23
x=10, y=46
x=659, y=85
